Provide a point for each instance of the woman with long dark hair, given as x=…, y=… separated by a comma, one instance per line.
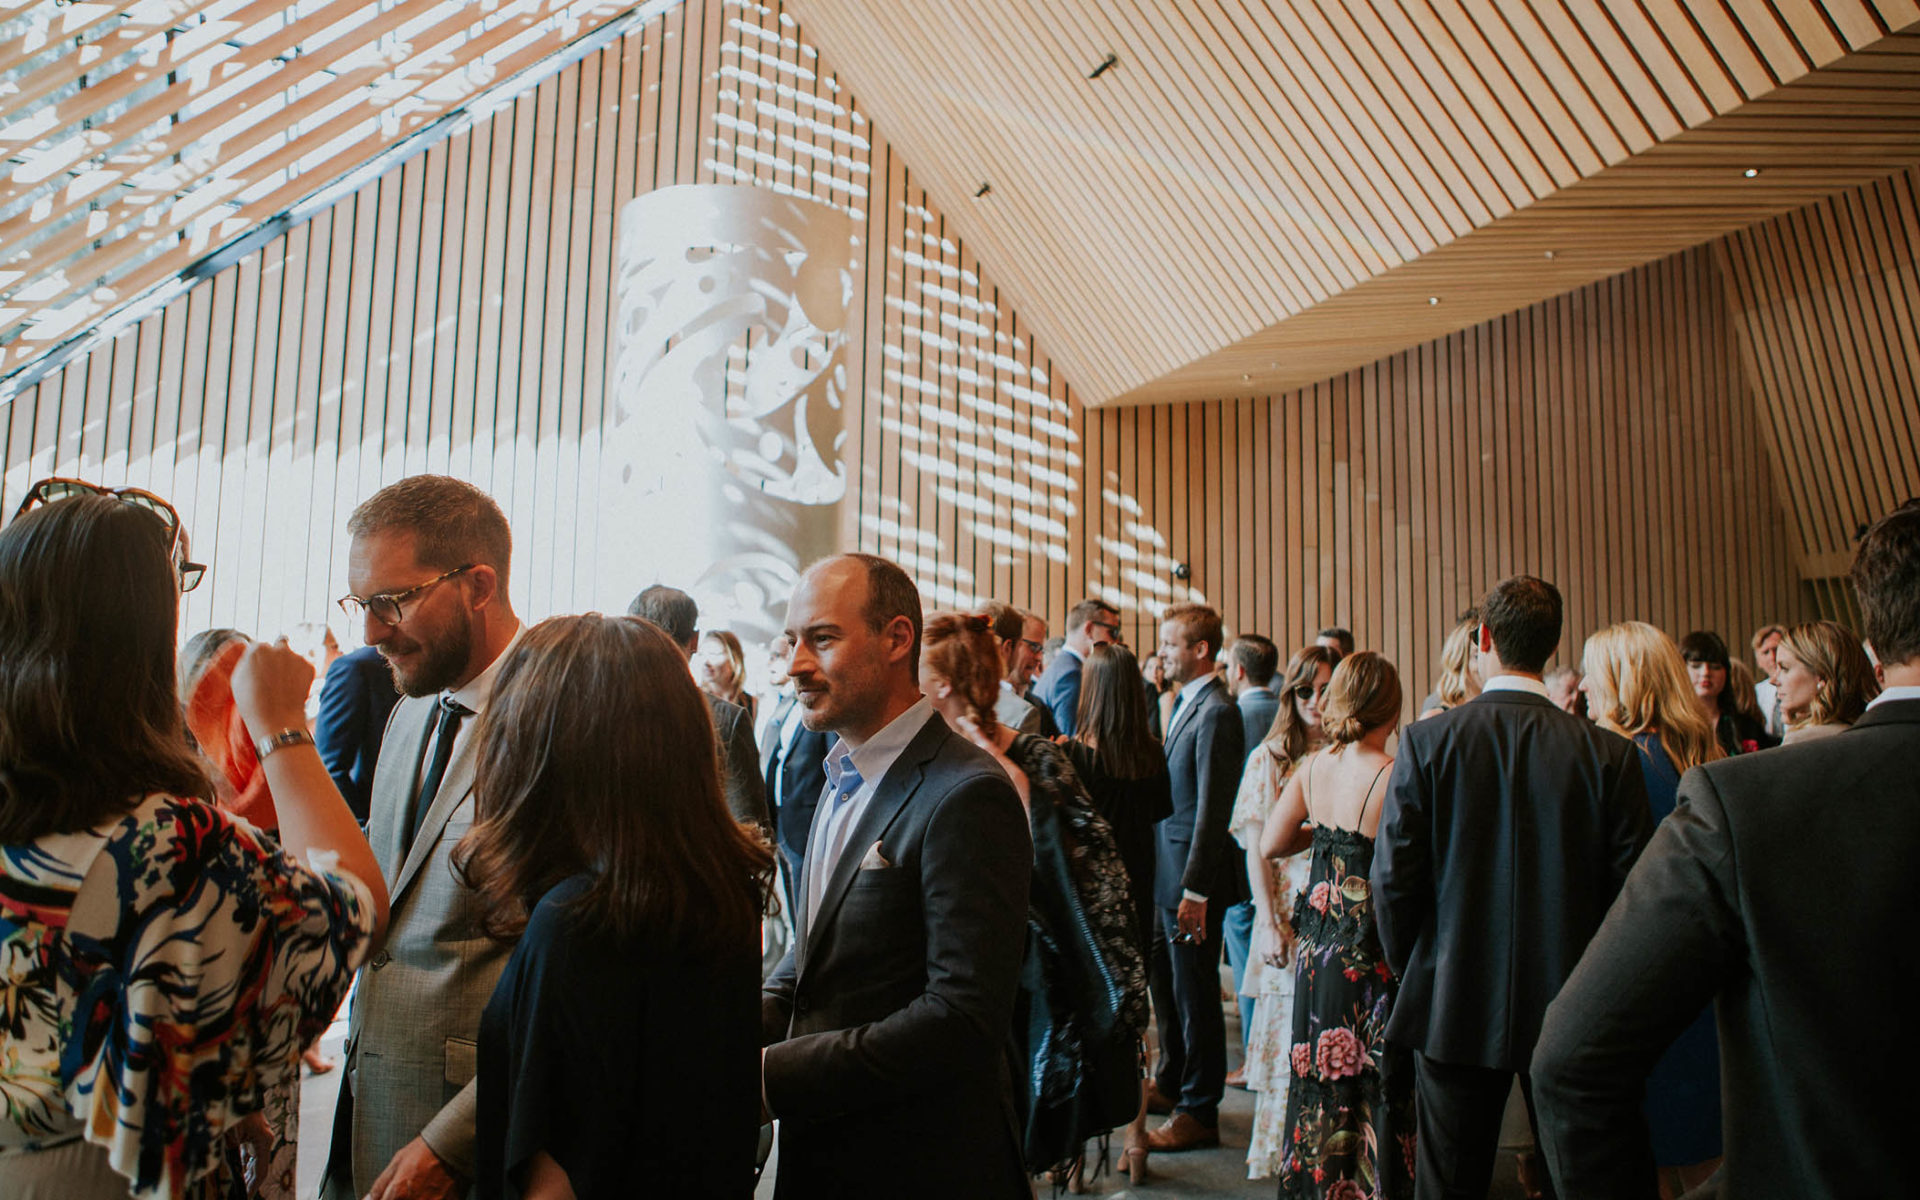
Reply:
x=167, y=962
x=1708, y=669
x=1294, y=734
x=1083, y=987
x=1125, y=772
x=621, y=1046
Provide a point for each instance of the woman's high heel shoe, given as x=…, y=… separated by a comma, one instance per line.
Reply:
x=1133, y=1160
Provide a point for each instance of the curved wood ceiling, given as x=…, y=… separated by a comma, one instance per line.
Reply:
x=1258, y=194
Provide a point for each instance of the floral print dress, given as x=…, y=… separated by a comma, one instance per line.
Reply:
x=159, y=976
x=1350, y=1123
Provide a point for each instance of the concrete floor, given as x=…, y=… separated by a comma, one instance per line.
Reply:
x=1194, y=1175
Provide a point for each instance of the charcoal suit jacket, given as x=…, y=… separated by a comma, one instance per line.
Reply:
x=1206, y=751
x=1782, y=889
x=888, y=1023
x=1507, y=829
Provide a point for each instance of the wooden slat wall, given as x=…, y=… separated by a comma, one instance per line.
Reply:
x=1826, y=302
x=1277, y=187
x=1606, y=440
x=454, y=315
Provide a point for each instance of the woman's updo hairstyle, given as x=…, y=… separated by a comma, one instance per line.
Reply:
x=960, y=648
x=1363, y=695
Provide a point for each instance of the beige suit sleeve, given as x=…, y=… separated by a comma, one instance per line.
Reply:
x=451, y=1132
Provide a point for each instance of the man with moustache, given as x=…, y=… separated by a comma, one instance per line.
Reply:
x=428, y=569
x=886, y=1026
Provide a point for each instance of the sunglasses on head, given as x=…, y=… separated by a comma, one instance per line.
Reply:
x=55, y=489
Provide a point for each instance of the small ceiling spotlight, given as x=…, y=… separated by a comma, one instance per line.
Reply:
x=983, y=190
x=1432, y=300
x=1246, y=379
x=1106, y=64
x=1752, y=172
x=1549, y=256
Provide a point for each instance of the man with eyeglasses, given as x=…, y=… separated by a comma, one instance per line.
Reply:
x=1090, y=623
x=428, y=568
x=1020, y=657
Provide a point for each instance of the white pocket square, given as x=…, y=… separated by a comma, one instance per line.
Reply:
x=874, y=861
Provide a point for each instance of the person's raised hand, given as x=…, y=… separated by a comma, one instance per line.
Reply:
x=417, y=1173
x=270, y=686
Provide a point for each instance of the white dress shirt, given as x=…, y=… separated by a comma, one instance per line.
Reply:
x=833, y=823
x=1905, y=691
x=1516, y=683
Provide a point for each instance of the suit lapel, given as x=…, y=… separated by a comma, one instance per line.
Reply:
x=395, y=777
x=896, y=788
x=455, y=787
x=1184, y=717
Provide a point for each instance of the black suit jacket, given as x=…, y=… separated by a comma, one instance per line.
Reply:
x=796, y=777
x=888, y=1022
x=1206, y=751
x=1782, y=889
x=356, y=699
x=1506, y=831
x=739, y=770
x=1257, y=709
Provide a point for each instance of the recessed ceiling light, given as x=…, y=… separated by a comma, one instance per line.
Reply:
x=1753, y=172
x=1549, y=256
x=1433, y=299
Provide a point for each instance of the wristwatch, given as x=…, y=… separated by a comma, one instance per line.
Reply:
x=279, y=741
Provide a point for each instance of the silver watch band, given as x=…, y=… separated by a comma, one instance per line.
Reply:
x=278, y=741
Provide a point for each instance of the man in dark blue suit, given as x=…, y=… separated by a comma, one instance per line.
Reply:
x=1196, y=877
x=1251, y=663
x=793, y=761
x=1507, y=829
x=355, y=701
x=1090, y=623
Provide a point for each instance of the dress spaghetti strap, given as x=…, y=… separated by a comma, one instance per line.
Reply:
x=1361, y=823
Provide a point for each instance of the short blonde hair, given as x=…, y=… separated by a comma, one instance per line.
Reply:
x=1637, y=681
x=1456, y=684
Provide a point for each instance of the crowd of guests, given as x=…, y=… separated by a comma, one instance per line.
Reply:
x=549, y=856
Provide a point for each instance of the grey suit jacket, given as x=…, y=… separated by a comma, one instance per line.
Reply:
x=1781, y=889
x=740, y=779
x=416, y=1012
x=888, y=1022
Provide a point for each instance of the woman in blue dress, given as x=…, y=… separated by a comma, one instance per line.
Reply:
x=1637, y=685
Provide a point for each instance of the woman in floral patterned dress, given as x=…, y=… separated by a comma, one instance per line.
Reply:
x=162, y=963
x=1296, y=730
x=1350, y=1125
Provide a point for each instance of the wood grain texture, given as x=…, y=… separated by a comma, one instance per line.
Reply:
x=454, y=315
x=1825, y=301
x=1260, y=194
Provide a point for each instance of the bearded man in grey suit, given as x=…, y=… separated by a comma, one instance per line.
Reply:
x=887, y=1025
x=428, y=568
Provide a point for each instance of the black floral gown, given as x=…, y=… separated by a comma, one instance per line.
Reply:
x=1350, y=1126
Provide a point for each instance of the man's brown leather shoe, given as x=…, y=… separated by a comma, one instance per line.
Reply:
x=1182, y=1131
x=1157, y=1101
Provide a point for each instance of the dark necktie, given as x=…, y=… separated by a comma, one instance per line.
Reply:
x=446, y=728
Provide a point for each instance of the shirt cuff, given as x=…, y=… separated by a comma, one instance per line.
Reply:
x=1190, y=894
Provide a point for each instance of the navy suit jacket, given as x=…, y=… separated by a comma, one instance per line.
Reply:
x=887, y=1024
x=1257, y=709
x=1206, y=752
x=1507, y=829
x=356, y=699
x=1059, y=689
x=797, y=778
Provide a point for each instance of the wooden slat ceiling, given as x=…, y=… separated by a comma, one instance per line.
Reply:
x=137, y=137
x=1259, y=194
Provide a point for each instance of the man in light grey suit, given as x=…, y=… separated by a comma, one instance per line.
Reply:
x=428, y=568
x=677, y=613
